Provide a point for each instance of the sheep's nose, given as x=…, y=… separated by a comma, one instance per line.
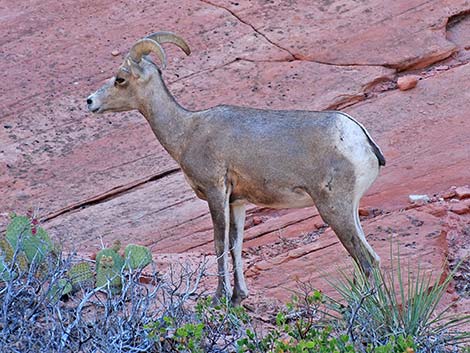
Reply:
x=89, y=101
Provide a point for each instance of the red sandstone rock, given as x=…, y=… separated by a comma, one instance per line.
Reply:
x=419, y=235
x=462, y=192
x=437, y=210
x=280, y=85
x=401, y=35
x=460, y=208
x=449, y=194
x=115, y=52
x=407, y=82
x=429, y=144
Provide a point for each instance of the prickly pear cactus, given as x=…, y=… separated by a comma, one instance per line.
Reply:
x=108, y=273
x=81, y=276
x=59, y=289
x=22, y=262
x=6, y=250
x=137, y=256
x=110, y=252
x=32, y=239
x=6, y=255
x=18, y=226
x=109, y=266
x=116, y=245
x=4, y=271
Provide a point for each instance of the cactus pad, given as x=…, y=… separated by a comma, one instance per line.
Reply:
x=108, y=273
x=20, y=233
x=59, y=289
x=81, y=276
x=137, y=256
x=110, y=252
x=19, y=225
x=6, y=250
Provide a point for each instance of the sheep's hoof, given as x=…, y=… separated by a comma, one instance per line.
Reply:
x=217, y=299
x=237, y=298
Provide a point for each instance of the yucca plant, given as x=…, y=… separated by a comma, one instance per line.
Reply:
x=384, y=306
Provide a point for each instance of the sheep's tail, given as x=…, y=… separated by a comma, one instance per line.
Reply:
x=375, y=148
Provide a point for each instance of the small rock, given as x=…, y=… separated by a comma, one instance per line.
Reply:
x=449, y=194
x=460, y=208
x=364, y=212
x=257, y=220
x=442, y=67
x=418, y=198
x=438, y=211
x=462, y=192
x=407, y=82
x=115, y=52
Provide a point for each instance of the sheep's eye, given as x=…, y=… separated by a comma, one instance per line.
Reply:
x=119, y=80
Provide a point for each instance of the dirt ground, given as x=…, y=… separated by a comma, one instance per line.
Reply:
x=93, y=180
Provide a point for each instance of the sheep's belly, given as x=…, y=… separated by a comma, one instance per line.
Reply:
x=279, y=199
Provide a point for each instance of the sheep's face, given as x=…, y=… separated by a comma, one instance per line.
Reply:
x=122, y=92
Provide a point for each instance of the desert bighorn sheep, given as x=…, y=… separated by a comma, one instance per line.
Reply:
x=232, y=155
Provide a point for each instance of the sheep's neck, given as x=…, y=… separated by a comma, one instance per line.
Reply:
x=168, y=119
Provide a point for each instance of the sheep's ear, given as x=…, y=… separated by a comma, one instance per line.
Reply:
x=135, y=68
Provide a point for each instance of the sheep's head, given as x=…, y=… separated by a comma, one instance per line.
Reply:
x=123, y=91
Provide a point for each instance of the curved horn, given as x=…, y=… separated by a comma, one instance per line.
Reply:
x=144, y=47
x=169, y=37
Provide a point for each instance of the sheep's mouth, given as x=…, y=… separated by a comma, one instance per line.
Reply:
x=96, y=110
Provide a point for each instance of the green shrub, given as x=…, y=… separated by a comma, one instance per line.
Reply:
x=396, y=309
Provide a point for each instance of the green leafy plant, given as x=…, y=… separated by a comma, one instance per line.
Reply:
x=208, y=328
x=299, y=328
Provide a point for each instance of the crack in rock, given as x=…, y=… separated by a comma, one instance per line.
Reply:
x=109, y=195
x=293, y=56
x=250, y=25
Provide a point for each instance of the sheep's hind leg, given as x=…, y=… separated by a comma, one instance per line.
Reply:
x=340, y=211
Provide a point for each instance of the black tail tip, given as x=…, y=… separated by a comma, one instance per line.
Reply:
x=382, y=160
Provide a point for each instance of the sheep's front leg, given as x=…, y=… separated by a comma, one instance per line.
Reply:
x=218, y=201
x=237, y=224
